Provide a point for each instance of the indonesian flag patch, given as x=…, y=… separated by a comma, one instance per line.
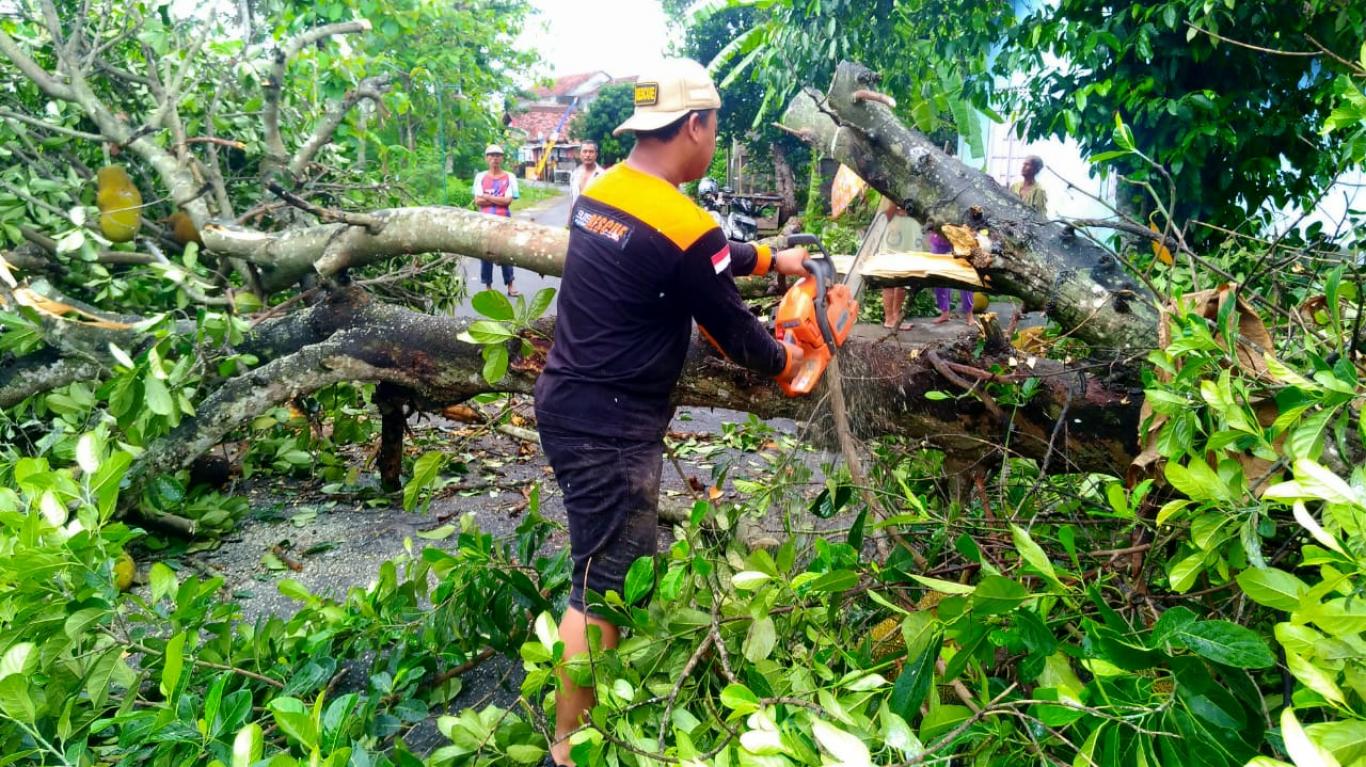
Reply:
x=721, y=261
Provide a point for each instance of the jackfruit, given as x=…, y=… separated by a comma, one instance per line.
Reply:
x=124, y=570
x=120, y=204
x=183, y=229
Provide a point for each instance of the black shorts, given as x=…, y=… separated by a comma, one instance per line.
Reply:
x=611, y=496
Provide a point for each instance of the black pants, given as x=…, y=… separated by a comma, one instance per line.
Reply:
x=611, y=496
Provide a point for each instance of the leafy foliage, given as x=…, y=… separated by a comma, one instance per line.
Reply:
x=1236, y=127
x=613, y=105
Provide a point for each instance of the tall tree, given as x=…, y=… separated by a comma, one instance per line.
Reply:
x=613, y=105
x=1235, y=124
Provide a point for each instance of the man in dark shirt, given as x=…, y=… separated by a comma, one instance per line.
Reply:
x=644, y=261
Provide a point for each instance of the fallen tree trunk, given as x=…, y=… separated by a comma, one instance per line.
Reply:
x=1072, y=422
x=1079, y=284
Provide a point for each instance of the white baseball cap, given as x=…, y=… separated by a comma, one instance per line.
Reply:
x=667, y=91
x=493, y=149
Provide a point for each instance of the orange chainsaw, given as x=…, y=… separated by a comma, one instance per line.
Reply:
x=816, y=314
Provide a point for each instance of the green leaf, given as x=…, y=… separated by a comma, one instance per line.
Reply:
x=173, y=664
x=1108, y=156
x=1034, y=554
x=1197, y=481
x=943, y=586
x=848, y=749
x=1317, y=679
x=98, y=678
x=425, y=471
x=15, y=701
x=495, y=363
x=1273, y=588
x=1303, y=751
x=163, y=581
x=525, y=753
x=1183, y=574
x=915, y=680
x=833, y=582
x=1346, y=739
x=1227, y=643
x=996, y=594
x=492, y=304
x=490, y=332
x=248, y=745
x=294, y=720
x=761, y=639
x=749, y=580
x=294, y=590
x=79, y=621
x=740, y=699
x=540, y=302
x=640, y=578
x=158, y=398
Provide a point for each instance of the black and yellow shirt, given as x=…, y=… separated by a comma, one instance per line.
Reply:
x=644, y=261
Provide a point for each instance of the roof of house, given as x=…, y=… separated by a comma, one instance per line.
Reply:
x=539, y=122
x=568, y=84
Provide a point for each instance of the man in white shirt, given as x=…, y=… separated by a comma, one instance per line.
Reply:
x=587, y=171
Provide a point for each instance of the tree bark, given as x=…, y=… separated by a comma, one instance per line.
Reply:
x=1079, y=285
x=348, y=337
x=785, y=181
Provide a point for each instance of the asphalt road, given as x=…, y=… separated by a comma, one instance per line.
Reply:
x=552, y=212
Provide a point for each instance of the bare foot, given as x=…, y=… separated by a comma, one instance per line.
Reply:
x=907, y=325
x=513, y=292
x=972, y=319
x=942, y=318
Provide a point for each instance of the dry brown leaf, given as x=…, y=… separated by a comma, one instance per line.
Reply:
x=58, y=310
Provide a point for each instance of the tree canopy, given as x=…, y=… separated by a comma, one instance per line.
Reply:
x=613, y=105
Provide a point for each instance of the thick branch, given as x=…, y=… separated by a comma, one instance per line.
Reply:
x=48, y=126
x=372, y=88
x=276, y=154
x=286, y=257
x=349, y=338
x=44, y=79
x=1081, y=286
x=41, y=372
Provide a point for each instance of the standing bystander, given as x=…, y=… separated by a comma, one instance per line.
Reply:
x=587, y=171
x=494, y=191
x=1028, y=189
x=943, y=297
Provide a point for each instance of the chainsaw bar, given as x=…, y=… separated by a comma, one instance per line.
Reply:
x=872, y=239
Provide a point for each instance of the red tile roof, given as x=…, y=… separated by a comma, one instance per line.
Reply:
x=539, y=122
x=563, y=86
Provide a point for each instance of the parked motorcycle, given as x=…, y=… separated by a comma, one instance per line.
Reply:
x=738, y=215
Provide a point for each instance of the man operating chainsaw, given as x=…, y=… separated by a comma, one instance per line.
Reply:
x=644, y=261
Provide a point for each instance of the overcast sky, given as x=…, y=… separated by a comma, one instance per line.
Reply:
x=615, y=36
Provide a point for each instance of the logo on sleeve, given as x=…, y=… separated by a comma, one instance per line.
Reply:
x=721, y=261
x=603, y=226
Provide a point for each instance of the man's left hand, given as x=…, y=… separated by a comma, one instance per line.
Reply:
x=790, y=261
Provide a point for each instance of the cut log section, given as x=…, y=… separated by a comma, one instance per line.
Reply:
x=889, y=270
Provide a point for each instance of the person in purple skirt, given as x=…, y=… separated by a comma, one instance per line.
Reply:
x=943, y=297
